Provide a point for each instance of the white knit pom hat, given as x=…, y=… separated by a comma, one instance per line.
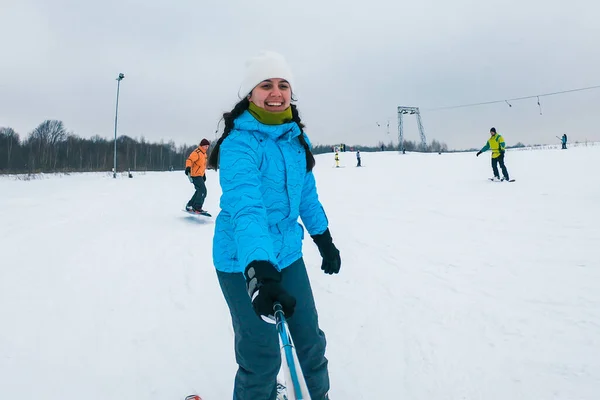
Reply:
x=265, y=65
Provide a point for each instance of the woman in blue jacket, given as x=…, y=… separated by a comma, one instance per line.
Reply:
x=266, y=177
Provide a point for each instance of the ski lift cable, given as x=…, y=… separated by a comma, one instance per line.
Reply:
x=514, y=99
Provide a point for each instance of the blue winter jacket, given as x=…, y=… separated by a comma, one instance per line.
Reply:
x=265, y=189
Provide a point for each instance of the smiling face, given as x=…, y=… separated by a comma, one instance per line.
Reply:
x=272, y=95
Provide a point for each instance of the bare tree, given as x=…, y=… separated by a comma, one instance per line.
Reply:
x=8, y=137
x=46, y=138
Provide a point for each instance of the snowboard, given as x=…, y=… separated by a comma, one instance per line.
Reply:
x=204, y=213
x=503, y=180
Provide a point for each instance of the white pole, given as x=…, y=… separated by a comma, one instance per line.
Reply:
x=119, y=79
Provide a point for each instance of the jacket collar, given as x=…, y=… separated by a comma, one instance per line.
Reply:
x=286, y=131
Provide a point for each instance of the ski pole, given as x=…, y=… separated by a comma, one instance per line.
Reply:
x=292, y=369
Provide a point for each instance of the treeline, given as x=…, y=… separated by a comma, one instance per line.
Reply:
x=51, y=148
x=433, y=147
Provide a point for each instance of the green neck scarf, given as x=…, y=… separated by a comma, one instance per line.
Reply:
x=270, y=118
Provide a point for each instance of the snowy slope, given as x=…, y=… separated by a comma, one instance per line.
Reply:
x=452, y=287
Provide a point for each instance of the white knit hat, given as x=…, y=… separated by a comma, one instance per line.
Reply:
x=265, y=65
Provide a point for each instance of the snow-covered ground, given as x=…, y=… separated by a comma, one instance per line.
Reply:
x=452, y=286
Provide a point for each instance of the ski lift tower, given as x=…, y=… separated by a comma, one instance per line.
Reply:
x=410, y=110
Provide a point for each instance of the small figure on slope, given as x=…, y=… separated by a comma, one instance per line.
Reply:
x=358, y=164
x=195, y=169
x=498, y=147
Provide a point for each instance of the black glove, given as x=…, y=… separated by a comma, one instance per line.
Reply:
x=204, y=177
x=263, y=283
x=188, y=170
x=478, y=153
x=331, y=255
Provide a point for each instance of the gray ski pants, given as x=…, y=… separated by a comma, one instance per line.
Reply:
x=257, y=348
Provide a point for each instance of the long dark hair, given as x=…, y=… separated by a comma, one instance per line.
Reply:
x=229, y=117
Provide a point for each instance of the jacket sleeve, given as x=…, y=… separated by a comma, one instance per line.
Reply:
x=486, y=147
x=311, y=211
x=202, y=164
x=242, y=199
x=501, y=144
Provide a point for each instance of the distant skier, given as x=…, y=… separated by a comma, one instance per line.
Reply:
x=195, y=169
x=564, y=141
x=358, y=164
x=337, y=159
x=498, y=147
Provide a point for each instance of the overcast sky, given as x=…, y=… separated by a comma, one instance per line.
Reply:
x=354, y=62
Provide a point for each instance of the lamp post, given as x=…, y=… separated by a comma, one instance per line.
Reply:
x=119, y=79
